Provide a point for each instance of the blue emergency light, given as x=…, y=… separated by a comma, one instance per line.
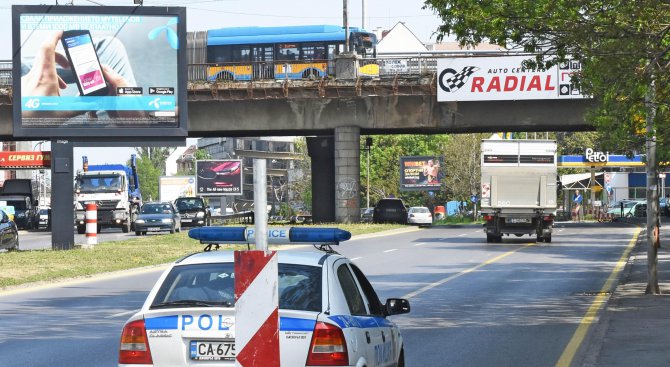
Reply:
x=276, y=235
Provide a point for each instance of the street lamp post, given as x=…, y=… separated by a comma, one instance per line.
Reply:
x=368, y=145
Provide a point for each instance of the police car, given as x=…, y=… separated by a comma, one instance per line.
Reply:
x=329, y=315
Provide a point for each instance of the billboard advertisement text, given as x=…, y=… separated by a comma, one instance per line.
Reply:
x=219, y=177
x=424, y=173
x=503, y=78
x=99, y=71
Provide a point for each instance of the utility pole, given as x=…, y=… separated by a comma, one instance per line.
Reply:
x=345, y=15
x=363, y=15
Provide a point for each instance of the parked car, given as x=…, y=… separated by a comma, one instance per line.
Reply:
x=330, y=315
x=629, y=208
x=419, y=215
x=157, y=217
x=193, y=211
x=390, y=210
x=366, y=215
x=9, y=233
x=44, y=218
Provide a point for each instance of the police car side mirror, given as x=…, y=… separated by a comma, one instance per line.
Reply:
x=396, y=306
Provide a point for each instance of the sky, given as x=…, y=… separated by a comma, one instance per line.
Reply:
x=211, y=14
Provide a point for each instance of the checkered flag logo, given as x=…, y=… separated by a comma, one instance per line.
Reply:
x=451, y=81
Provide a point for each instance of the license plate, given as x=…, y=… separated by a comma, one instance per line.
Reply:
x=186, y=220
x=518, y=220
x=223, y=350
x=154, y=229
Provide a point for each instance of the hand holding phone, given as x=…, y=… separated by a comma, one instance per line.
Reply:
x=84, y=63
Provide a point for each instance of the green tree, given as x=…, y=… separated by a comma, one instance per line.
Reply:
x=385, y=156
x=623, y=47
x=150, y=166
x=464, y=165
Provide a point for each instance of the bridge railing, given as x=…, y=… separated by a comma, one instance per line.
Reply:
x=382, y=67
x=5, y=73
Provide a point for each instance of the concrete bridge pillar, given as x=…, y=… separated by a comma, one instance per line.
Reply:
x=347, y=174
x=322, y=152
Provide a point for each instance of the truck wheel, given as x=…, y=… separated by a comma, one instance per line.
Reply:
x=138, y=233
x=498, y=239
x=547, y=239
x=489, y=238
x=539, y=239
x=81, y=229
x=126, y=227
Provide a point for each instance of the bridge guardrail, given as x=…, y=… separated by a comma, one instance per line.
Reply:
x=239, y=218
x=390, y=66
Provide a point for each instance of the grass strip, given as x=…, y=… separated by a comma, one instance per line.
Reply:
x=22, y=267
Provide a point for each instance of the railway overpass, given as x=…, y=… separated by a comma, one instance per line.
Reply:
x=334, y=112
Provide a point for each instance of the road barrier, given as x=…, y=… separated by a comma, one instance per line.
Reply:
x=256, y=308
x=91, y=225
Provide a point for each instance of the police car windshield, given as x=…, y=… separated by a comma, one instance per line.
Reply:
x=207, y=285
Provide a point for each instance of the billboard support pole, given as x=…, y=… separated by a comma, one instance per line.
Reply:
x=62, y=192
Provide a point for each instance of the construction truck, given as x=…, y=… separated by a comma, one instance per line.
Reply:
x=114, y=188
x=518, y=188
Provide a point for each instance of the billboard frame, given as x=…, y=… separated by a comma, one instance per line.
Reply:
x=180, y=130
x=198, y=179
x=424, y=187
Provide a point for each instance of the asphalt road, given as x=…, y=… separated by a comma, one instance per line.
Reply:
x=516, y=303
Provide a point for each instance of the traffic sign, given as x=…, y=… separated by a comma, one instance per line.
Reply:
x=474, y=198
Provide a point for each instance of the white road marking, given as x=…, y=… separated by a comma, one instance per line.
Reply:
x=121, y=314
x=391, y=250
x=461, y=235
x=356, y=258
x=420, y=244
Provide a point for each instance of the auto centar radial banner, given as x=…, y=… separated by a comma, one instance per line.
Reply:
x=503, y=78
x=219, y=177
x=99, y=71
x=421, y=173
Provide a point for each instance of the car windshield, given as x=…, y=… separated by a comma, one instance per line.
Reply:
x=156, y=209
x=99, y=183
x=630, y=204
x=201, y=285
x=189, y=204
x=44, y=212
x=390, y=204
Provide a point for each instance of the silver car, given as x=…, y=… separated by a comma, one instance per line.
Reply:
x=419, y=215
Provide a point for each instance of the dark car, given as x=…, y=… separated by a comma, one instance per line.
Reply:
x=9, y=234
x=390, y=210
x=193, y=211
x=157, y=217
x=25, y=214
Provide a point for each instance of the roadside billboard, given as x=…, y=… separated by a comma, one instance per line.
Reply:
x=503, y=78
x=421, y=173
x=172, y=187
x=99, y=71
x=219, y=177
x=27, y=160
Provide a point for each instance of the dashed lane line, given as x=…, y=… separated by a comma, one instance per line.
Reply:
x=419, y=244
x=391, y=250
x=356, y=258
x=458, y=275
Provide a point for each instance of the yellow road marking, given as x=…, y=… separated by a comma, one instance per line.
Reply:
x=590, y=316
x=458, y=275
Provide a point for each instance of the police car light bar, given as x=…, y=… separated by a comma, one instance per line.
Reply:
x=276, y=235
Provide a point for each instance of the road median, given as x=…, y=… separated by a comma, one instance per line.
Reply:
x=21, y=268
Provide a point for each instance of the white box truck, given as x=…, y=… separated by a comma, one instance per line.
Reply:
x=518, y=188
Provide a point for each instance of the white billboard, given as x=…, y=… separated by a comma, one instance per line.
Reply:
x=503, y=78
x=172, y=187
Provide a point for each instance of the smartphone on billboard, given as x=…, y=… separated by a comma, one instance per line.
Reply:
x=84, y=63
